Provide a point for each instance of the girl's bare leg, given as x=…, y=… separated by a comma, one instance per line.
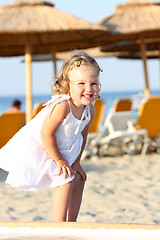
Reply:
x=60, y=201
x=75, y=199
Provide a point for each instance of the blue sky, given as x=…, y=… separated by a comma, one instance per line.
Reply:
x=118, y=75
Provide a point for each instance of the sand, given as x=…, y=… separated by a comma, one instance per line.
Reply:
x=118, y=190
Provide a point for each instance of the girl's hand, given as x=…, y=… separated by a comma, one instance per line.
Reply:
x=63, y=167
x=77, y=167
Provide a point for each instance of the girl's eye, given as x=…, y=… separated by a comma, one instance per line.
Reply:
x=94, y=83
x=81, y=83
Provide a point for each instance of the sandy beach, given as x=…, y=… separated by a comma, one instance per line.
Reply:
x=118, y=190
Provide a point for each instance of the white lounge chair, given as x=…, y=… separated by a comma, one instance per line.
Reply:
x=119, y=134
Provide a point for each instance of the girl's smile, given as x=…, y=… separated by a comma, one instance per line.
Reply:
x=88, y=96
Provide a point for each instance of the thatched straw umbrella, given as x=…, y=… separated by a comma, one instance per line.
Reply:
x=132, y=46
x=135, y=20
x=35, y=27
x=94, y=52
x=136, y=55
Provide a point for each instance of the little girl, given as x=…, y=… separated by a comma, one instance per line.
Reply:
x=46, y=152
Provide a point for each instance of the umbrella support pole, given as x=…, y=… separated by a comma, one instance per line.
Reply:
x=143, y=52
x=28, y=59
x=54, y=65
x=159, y=55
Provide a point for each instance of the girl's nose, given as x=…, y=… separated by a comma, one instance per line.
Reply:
x=88, y=87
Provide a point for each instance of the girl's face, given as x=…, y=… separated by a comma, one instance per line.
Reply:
x=84, y=85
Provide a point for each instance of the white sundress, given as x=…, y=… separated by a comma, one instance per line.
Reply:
x=25, y=158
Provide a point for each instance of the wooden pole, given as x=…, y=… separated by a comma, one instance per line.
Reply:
x=28, y=60
x=159, y=55
x=144, y=58
x=55, y=65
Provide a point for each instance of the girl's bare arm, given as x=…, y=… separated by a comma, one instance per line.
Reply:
x=48, y=130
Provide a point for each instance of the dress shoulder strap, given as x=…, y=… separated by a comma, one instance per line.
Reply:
x=69, y=105
x=86, y=117
x=55, y=100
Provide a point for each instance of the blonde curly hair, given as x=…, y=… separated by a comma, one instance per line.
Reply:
x=78, y=58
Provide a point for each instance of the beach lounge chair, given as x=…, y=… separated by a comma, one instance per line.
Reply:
x=122, y=104
x=10, y=123
x=125, y=138
x=37, y=108
x=99, y=115
x=95, y=126
x=149, y=119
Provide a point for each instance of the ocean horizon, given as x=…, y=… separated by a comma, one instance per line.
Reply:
x=107, y=97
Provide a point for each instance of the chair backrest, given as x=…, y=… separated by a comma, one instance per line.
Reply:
x=149, y=116
x=122, y=104
x=10, y=123
x=99, y=114
x=37, y=108
x=118, y=121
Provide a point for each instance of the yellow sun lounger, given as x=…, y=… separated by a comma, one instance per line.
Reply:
x=10, y=123
x=99, y=114
x=149, y=119
x=37, y=108
x=95, y=126
x=122, y=104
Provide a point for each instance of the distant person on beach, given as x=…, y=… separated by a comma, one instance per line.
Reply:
x=16, y=105
x=47, y=151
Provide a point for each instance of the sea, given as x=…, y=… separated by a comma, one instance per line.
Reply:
x=107, y=97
